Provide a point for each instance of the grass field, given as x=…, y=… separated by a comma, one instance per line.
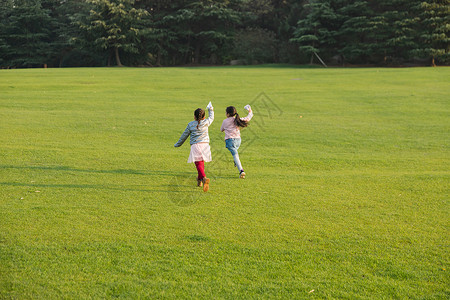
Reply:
x=346, y=194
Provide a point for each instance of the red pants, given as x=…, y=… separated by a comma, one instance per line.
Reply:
x=200, y=169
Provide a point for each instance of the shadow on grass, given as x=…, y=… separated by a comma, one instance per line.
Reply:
x=180, y=187
x=166, y=188
x=87, y=186
x=115, y=171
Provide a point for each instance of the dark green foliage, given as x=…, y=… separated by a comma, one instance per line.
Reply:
x=391, y=30
x=255, y=45
x=380, y=32
x=26, y=35
x=73, y=50
x=317, y=30
x=211, y=26
x=433, y=30
x=178, y=32
x=354, y=32
x=114, y=25
x=193, y=31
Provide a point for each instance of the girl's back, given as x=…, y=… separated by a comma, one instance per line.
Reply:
x=230, y=128
x=197, y=130
x=199, y=134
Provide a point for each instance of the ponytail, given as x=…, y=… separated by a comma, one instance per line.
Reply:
x=232, y=112
x=239, y=122
x=199, y=114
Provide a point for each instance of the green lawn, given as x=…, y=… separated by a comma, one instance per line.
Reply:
x=346, y=194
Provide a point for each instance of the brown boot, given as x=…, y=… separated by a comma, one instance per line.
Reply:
x=199, y=182
x=205, y=184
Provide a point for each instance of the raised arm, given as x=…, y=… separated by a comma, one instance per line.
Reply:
x=248, y=117
x=183, y=137
x=210, y=117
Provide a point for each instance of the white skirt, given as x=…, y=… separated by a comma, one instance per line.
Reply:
x=199, y=152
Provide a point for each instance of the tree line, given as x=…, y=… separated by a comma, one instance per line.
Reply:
x=70, y=33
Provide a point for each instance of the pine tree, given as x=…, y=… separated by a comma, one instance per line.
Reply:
x=114, y=25
x=353, y=34
x=211, y=27
x=161, y=40
x=190, y=31
x=433, y=38
x=391, y=32
x=5, y=8
x=26, y=35
x=272, y=19
x=64, y=15
x=317, y=31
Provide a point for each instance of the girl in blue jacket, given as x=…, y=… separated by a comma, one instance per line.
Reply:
x=200, y=153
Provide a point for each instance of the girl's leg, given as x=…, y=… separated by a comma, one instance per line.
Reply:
x=200, y=165
x=237, y=162
x=201, y=179
x=233, y=145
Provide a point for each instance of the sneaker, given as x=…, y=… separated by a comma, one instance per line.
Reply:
x=199, y=182
x=205, y=184
x=242, y=174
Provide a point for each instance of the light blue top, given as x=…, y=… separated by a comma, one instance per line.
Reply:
x=199, y=135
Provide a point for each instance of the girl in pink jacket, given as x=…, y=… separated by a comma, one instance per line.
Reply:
x=232, y=126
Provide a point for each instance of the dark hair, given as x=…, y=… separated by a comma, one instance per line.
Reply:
x=231, y=110
x=199, y=114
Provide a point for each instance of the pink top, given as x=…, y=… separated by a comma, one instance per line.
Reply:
x=231, y=130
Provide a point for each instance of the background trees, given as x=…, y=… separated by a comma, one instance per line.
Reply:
x=27, y=34
x=114, y=25
x=433, y=29
x=176, y=32
x=317, y=30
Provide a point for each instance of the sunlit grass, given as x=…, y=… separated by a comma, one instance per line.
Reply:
x=346, y=194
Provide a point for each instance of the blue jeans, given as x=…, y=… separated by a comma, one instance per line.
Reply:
x=233, y=145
